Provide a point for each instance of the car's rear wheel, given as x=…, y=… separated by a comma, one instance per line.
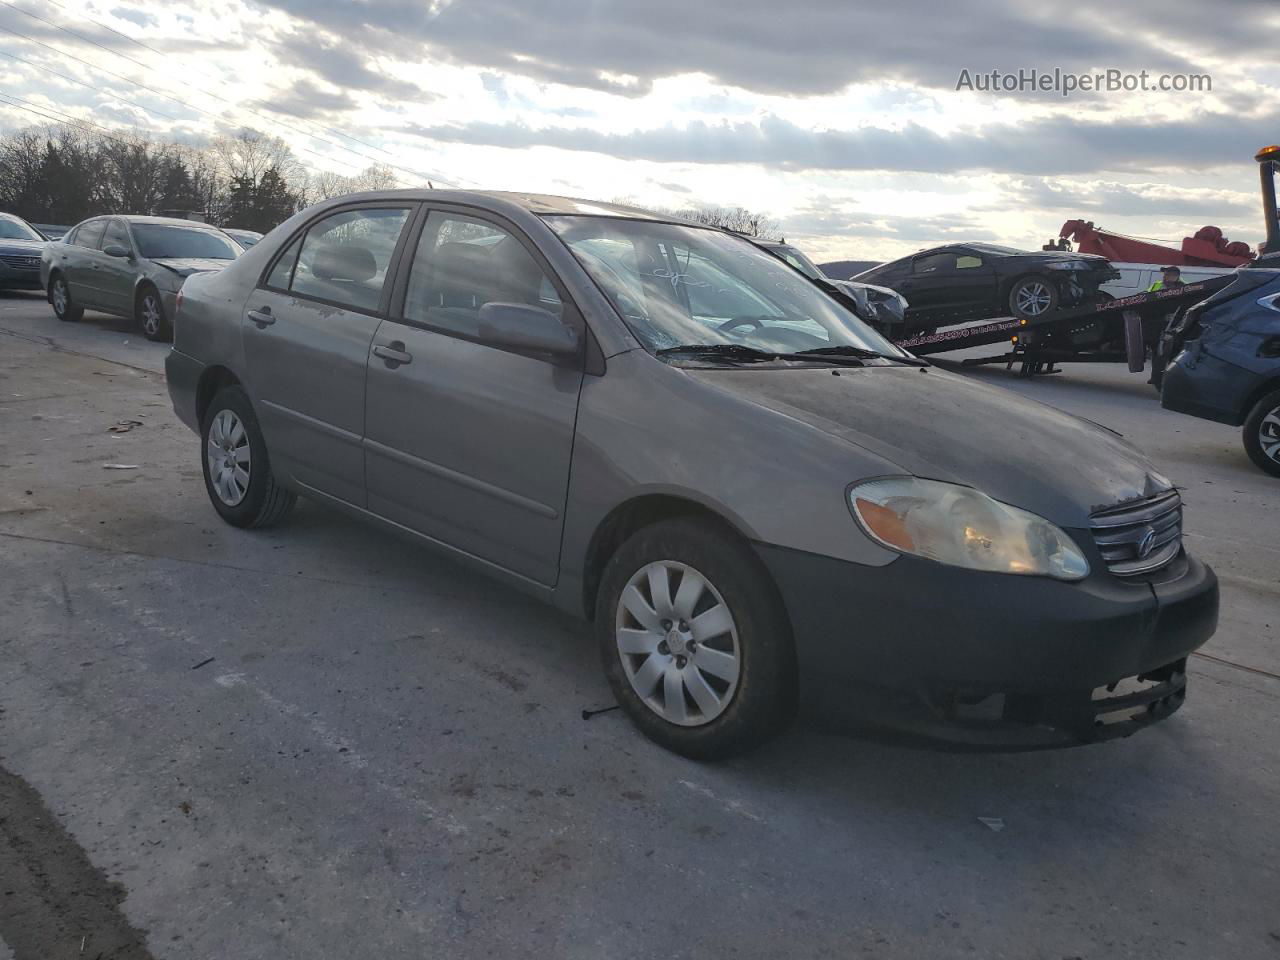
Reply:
x=1032, y=298
x=1262, y=433
x=237, y=470
x=149, y=312
x=64, y=308
x=695, y=642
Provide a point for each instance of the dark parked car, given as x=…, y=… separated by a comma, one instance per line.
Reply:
x=1226, y=364
x=881, y=307
x=52, y=231
x=246, y=238
x=976, y=281
x=20, y=247
x=130, y=267
x=760, y=503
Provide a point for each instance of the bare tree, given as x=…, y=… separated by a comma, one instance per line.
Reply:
x=738, y=219
x=326, y=184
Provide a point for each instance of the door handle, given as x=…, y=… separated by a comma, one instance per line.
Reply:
x=394, y=354
x=262, y=318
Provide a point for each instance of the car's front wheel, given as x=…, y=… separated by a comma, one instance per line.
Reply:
x=149, y=312
x=64, y=308
x=695, y=642
x=1032, y=298
x=237, y=470
x=1262, y=433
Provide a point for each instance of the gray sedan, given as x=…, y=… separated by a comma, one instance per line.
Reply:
x=760, y=504
x=131, y=267
x=20, y=247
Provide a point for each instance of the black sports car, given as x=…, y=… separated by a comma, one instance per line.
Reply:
x=975, y=281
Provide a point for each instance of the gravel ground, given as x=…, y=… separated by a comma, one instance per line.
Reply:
x=316, y=741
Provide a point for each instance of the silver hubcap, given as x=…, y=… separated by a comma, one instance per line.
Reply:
x=1269, y=434
x=1033, y=298
x=678, y=643
x=150, y=315
x=60, y=297
x=227, y=448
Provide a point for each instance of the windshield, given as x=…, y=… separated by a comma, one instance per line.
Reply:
x=12, y=228
x=158, y=242
x=684, y=286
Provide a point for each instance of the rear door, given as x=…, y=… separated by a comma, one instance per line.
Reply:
x=467, y=443
x=307, y=332
x=82, y=264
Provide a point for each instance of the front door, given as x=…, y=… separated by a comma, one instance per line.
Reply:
x=116, y=275
x=467, y=443
x=307, y=332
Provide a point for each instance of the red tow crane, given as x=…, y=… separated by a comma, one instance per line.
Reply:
x=1208, y=248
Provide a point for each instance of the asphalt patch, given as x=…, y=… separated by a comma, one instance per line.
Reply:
x=53, y=901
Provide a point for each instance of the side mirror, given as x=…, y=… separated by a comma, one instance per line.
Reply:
x=115, y=250
x=523, y=327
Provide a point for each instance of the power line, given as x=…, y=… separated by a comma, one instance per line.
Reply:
x=143, y=86
x=134, y=103
x=416, y=173
x=62, y=117
x=159, y=53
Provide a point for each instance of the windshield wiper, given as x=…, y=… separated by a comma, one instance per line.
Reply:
x=846, y=350
x=726, y=351
x=740, y=353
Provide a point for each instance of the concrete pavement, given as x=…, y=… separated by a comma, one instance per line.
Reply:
x=316, y=741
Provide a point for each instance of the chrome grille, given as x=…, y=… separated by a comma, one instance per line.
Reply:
x=21, y=262
x=1140, y=536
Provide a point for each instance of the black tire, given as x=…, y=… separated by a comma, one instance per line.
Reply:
x=70, y=312
x=264, y=501
x=1266, y=409
x=763, y=700
x=1135, y=351
x=1025, y=284
x=148, y=311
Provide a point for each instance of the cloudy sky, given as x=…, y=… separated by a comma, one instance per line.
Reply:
x=839, y=118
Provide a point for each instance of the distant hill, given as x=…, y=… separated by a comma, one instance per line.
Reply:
x=844, y=269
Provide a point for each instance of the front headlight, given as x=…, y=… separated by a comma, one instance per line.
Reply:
x=1068, y=265
x=962, y=527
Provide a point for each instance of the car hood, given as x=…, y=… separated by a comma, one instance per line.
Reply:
x=185, y=266
x=942, y=426
x=22, y=248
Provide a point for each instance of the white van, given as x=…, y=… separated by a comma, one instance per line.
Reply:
x=1138, y=277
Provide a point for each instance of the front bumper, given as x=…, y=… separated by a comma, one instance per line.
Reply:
x=928, y=653
x=17, y=278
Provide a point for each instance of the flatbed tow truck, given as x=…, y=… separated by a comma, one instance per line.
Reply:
x=1117, y=331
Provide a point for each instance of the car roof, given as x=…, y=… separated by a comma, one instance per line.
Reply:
x=539, y=204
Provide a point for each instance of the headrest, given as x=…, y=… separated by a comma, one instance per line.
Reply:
x=341, y=261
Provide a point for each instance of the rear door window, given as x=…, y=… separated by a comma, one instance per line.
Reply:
x=345, y=258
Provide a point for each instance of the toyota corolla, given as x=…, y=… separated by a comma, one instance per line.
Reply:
x=761, y=505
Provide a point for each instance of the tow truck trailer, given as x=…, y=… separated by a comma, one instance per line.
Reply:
x=1116, y=331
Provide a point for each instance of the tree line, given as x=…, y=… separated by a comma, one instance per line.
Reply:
x=62, y=174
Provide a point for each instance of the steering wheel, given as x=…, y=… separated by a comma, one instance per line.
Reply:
x=740, y=322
